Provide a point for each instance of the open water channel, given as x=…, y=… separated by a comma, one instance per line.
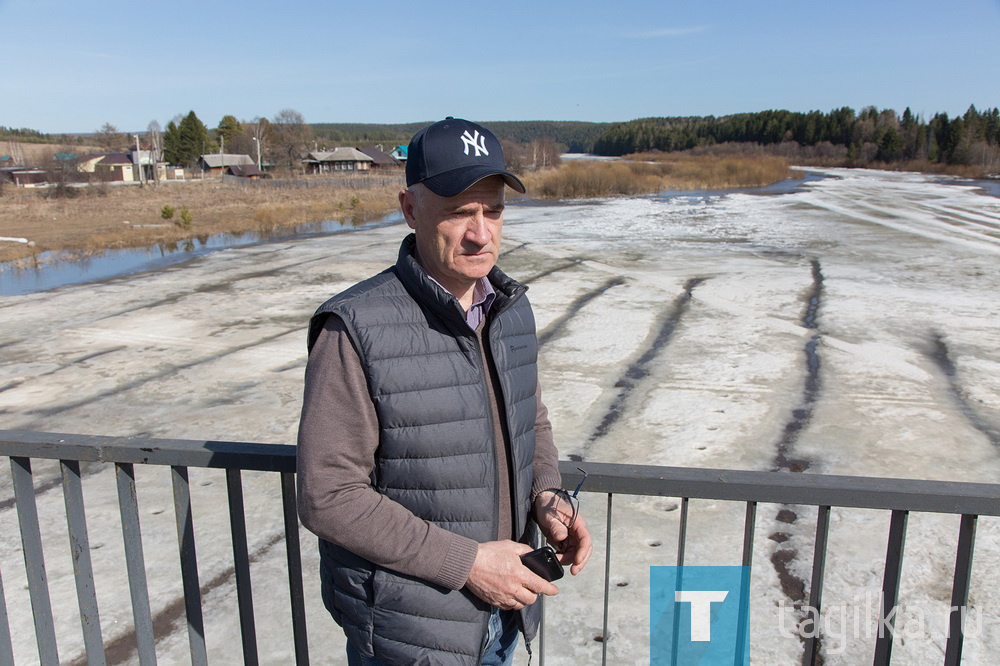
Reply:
x=847, y=324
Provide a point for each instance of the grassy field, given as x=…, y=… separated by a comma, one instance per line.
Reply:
x=101, y=217
x=647, y=174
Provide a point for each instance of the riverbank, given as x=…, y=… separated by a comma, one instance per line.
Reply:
x=93, y=219
x=585, y=179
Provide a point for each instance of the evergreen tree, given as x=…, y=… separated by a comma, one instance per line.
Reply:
x=890, y=147
x=171, y=144
x=227, y=131
x=908, y=120
x=952, y=147
x=183, y=144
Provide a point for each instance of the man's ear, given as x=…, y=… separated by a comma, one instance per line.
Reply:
x=406, y=205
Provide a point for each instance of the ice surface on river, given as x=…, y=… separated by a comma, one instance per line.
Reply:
x=904, y=269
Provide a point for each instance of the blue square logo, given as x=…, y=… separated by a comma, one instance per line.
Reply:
x=698, y=615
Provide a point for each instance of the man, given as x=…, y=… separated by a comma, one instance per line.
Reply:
x=425, y=454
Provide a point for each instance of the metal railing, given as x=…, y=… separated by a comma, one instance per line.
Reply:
x=898, y=496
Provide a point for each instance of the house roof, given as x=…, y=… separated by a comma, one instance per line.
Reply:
x=380, y=158
x=115, y=158
x=245, y=170
x=217, y=160
x=339, y=155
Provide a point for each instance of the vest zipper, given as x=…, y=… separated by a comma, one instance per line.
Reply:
x=502, y=416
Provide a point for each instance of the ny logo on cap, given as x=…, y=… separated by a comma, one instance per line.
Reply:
x=475, y=141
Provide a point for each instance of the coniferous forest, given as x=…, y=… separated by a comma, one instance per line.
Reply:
x=870, y=135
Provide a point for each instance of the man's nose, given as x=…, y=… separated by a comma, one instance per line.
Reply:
x=478, y=230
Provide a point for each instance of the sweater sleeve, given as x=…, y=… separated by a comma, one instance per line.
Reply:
x=338, y=437
x=546, y=461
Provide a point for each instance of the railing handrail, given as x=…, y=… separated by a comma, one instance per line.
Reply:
x=152, y=451
x=956, y=497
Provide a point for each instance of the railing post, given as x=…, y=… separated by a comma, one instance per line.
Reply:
x=83, y=569
x=811, y=654
x=241, y=565
x=34, y=560
x=541, y=631
x=607, y=584
x=6, y=646
x=294, y=554
x=681, y=547
x=960, y=590
x=748, y=528
x=189, y=565
x=890, y=588
x=128, y=507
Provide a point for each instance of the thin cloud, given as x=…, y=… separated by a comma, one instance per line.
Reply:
x=99, y=55
x=668, y=32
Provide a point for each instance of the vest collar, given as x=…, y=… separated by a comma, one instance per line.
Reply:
x=427, y=291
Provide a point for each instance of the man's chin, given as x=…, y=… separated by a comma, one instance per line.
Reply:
x=476, y=266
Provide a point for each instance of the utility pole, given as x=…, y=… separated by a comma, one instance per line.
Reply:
x=138, y=161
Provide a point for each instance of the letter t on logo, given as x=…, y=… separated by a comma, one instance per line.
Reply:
x=701, y=610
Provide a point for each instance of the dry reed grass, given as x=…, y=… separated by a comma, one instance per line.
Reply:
x=648, y=174
x=102, y=217
x=105, y=217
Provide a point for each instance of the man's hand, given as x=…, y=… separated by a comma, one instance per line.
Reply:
x=500, y=579
x=573, y=545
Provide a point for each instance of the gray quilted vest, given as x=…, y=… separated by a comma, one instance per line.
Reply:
x=436, y=455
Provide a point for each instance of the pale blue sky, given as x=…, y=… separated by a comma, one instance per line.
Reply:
x=71, y=65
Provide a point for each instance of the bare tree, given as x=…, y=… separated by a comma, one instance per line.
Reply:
x=289, y=136
x=110, y=139
x=260, y=132
x=17, y=152
x=246, y=140
x=154, y=134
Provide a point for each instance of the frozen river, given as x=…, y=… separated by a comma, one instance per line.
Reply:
x=849, y=326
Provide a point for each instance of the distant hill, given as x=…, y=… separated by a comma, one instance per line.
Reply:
x=576, y=137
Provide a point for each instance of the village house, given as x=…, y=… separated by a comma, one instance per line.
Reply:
x=216, y=164
x=246, y=171
x=110, y=167
x=399, y=153
x=338, y=160
x=382, y=161
x=24, y=177
x=135, y=166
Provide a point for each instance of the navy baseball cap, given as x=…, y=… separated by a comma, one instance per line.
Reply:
x=453, y=154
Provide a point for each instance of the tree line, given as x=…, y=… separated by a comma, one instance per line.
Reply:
x=568, y=136
x=22, y=134
x=278, y=141
x=841, y=135
x=869, y=135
